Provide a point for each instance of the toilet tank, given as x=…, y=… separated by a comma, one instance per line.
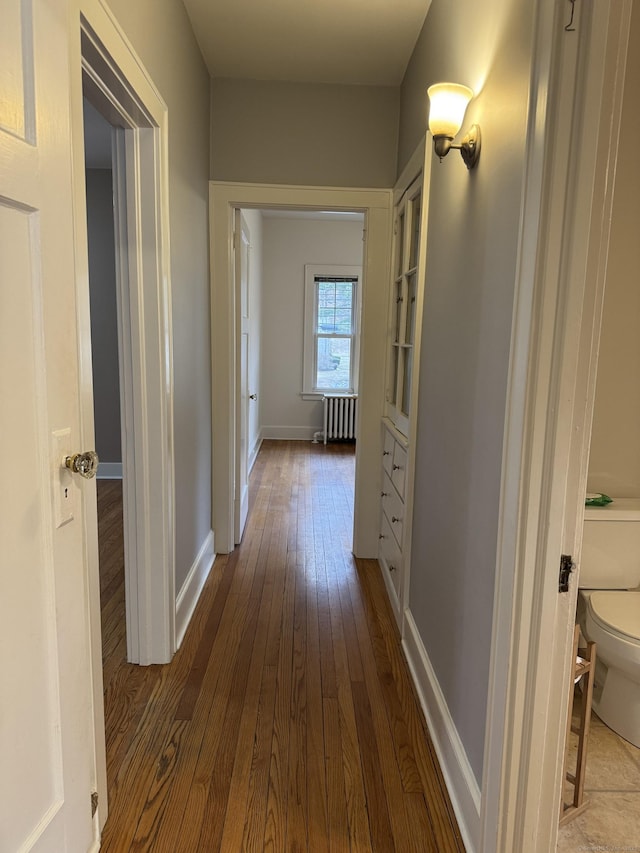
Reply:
x=611, y=546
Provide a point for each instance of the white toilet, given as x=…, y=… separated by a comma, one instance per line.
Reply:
x=609, y=611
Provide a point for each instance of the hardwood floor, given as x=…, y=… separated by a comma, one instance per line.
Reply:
x=287, y=720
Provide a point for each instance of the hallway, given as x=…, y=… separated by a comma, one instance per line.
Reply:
x=287, y=720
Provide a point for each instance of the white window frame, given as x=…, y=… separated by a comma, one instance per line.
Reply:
x=311, y=273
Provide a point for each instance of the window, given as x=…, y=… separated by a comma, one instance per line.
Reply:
x=403, y=307
x=331, y=334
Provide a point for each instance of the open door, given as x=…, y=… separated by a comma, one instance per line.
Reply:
x=242, y=243
x=46, y=723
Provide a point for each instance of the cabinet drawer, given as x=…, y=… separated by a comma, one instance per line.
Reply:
x=392, y=508
x=388, y=451
x=399, y=468
x=390, y=554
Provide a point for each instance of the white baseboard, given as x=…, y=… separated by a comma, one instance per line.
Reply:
x=253, y=453
x=109, y=471
x=287, y=433
x=192, y=587
x=458, y=775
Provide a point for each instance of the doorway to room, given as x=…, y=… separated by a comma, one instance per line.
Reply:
x=376, y=207
x=298, y=276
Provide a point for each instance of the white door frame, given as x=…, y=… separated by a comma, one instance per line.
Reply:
x=104, y=65
x=242, y=238
x=377, y=206
x=576, y=100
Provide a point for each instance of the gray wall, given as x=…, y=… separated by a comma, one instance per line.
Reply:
x=104, y=322
x=161, y=35
x=303, y=134
x=289, y=244
x=470, y=277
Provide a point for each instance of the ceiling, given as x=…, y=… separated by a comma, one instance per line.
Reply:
x=365, y=42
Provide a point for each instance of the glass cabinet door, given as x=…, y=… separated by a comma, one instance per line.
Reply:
x=403, y=306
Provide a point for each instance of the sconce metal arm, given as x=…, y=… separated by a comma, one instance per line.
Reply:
x=469, y=148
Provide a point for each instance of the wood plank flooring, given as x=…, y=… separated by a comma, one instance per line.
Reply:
x=287, y=720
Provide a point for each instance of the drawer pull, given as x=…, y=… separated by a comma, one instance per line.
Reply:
x=386, y=453
x=396, y=467
x=394, y=520
x=384, y=494
x=381, y=536
x=392, y=568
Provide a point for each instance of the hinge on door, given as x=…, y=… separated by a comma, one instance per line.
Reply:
x=94, y=803
x=566, y=567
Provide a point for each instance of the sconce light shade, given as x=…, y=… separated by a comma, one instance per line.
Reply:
x=447, y=106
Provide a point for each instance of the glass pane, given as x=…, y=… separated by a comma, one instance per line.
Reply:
x=400, y=244
x=343, y=317
x=335, y=306
x=410, y=328
x=407, y=354
x=415, y=233
x=397, y=310
x=333, y=364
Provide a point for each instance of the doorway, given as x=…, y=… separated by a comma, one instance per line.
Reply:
x=280, y=328
x=106, y=344
x=376, y=206
x=113, y=81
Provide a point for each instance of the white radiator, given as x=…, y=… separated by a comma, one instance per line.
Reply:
x=340, y=416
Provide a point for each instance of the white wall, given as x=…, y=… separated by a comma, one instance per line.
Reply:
x=104, y=317
x=253, y=218
x=289, y=244
x=303, y=133
x=614, y=462
x=470, y=280
x=161, y=35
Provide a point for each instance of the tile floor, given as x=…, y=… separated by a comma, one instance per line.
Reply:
x=612, y=820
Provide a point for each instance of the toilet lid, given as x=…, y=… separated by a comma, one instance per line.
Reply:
x=618, y=611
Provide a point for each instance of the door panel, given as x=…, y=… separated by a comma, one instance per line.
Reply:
x=46, y=729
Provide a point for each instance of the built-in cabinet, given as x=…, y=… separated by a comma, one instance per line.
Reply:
x=393, y=510
x=403, y=335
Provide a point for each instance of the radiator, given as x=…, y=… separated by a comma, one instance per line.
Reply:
x=340, y=416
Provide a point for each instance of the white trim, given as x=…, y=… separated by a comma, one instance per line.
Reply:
x=459, y=777
x=109, y=471
x=192, y=587
x=376, y=204
x=290, y=433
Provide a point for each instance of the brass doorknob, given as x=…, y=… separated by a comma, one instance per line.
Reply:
x=85, y=464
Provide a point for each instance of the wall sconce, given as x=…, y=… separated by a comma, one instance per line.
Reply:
x=447, y=105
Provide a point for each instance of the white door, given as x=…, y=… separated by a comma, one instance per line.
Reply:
x=46, y=721
x=242, y=254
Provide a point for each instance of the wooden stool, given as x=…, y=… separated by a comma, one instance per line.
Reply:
x=584, y=666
